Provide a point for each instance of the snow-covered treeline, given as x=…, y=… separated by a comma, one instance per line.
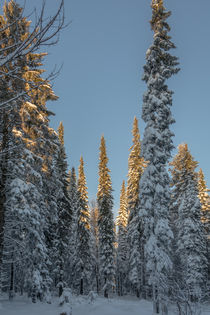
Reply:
x=51, y=239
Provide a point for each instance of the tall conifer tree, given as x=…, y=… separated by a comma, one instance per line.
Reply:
x=122, y=247
x=204, y=200
x=95, y=245
x=205, y=210
x=191, y=250
x=75, y=210
x=136, y=165
x=105, y=223
x=83, y=259
x=64, y=215
x=32, y=184
x=24, y=184
x=156, y=149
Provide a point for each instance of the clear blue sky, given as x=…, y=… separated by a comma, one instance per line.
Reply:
x=100, y=87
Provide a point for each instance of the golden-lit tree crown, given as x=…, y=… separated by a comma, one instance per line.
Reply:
x=61, y=133
x=157, y=5
x=104, y=186
x=159, y=15
x=184, y=160
x=29, y=76
x=136, y=165
x=82, y=189
x=201, y=180
x=203, y=197
x=82, y=185
x=122, y=218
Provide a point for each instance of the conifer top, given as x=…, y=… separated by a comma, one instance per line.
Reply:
x=104, y=186
x=61, y=133
x=122, y=219
x=82, y=188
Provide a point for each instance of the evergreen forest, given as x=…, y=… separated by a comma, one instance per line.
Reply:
x=54, y=241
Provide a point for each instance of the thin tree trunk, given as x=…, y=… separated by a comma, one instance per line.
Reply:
x=106, y=294
x=97, y=279
x=156, y=305
x=60, y=290
x=105, y=291
x=143, y=275
x=11, y=289
x=4, y=156
x=81, y=287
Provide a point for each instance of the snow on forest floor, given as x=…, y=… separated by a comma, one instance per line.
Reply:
x=81, y=306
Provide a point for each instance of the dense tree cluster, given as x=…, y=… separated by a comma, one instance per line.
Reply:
x=51, y=238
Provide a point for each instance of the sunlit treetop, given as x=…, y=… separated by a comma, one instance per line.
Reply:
x=104, y=186
x=61, y=133
x=183, y=163
x=84, y=217
x=204, y=198
x=122, y=219
x=82, y=188
x=159, y=16
x=136, y=165
x=15, y=29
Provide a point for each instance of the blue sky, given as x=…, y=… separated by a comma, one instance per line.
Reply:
x=100, y=88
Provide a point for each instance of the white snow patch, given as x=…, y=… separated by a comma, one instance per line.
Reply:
x=82, y=306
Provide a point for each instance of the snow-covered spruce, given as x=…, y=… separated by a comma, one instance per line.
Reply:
x=82, y=264
x=205, y=210
x=156, y=149
x=122, y=244
x=190, y=242
x=135, y=263
x=24, y=202
x=75, y=210
x=63, y=230
x=94, y=245
x=105, y=224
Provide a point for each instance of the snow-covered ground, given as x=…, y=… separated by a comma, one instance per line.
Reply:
x=81, y=306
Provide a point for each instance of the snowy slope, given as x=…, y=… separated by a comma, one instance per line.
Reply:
x=81, y=306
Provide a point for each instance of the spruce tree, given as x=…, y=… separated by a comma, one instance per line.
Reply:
x=191, y=250
x=24, y=204
x=156, y=149
x=105, y=223
x=31, y=187
x=136, y=165
x=64, y=216
x=122, y=245
x=75, y=210
x=95, y=245
x=83, y=260
x=205, y=201
x=205, y=211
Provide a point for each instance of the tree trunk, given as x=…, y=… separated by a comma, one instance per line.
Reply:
x=106, y=294
x=156, y=304
x=34, y=295
x=106, y=291
x=4, y=150
x=60, y=290
x=97, y=279
x=143, y=274
x=11, y=289
x=81, y=287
